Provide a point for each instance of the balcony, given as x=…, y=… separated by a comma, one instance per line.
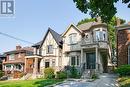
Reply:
x=90, y=43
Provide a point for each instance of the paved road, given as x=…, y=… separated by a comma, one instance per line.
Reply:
x=106, y=80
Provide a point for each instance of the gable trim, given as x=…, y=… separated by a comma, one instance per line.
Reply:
x=72, y=25
x=49, y=29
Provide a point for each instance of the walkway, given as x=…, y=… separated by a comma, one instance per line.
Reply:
x=106, y=80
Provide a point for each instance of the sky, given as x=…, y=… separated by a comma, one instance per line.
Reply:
x=33, y=17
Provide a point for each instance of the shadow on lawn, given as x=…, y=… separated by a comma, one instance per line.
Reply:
x=43, y=83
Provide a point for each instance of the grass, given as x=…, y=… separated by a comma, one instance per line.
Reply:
x=124, y=81
x=28, y=83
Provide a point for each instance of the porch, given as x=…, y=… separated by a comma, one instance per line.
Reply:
x=32, y=64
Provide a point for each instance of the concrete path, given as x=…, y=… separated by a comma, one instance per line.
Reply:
x=106, y=80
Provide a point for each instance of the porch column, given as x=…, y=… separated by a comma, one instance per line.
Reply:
x=96, y=50
x=82, y=56
x=35, y=70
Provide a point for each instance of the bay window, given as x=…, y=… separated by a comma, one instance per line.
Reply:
x=75, y=61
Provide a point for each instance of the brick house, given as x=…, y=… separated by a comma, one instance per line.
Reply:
x=14, y=63
x=123, y=44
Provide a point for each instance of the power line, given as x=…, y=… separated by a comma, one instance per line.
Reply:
x=10, y=36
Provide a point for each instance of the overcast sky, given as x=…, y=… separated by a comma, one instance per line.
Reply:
x=33, y=17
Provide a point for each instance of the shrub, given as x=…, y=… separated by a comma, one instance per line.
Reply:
x=1, y=73
x=74, y=72
x=49, y=73
x=94, y=76
x=123, y=70
x=61, y=75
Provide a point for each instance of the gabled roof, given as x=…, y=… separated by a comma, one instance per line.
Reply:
x=87, y=26
x=37, y=44
x=57, y=37
x=76, y=28
x=24, y=49
x=123, y=26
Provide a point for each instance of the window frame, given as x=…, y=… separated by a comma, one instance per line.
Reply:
x=49, y=51
x=12, y=57
x=73, y=38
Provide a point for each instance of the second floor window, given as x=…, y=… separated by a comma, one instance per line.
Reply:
x=72, y=38
x=12, y=57
x=50, y=49
x=101, y=36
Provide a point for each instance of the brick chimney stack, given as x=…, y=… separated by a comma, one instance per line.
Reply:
x=18, y=47
x=118, y=22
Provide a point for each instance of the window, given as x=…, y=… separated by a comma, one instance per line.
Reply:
x=8, y=67
x=18, y=67
x=53, y=62
x=49, y=49
x=72, y=60
x=128, y=54
x=75, y=60
x=72, y=38
x=12, y=57
x=101, y=35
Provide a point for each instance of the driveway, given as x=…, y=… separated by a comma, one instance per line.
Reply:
x=105, y=80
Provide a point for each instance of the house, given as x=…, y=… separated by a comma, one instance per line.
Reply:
x=123, y=44
x=14, y=63
x=85, y=46
x=2, y=57
x=47, y=53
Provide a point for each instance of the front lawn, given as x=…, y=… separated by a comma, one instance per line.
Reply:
x=28, y=83
x=124, y=81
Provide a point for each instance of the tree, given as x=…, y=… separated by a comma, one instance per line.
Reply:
x=103, y=8
x=111, y=29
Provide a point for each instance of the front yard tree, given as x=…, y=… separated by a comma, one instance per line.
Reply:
x=104, y=8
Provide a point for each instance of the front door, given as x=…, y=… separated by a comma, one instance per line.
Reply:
x=91, y=60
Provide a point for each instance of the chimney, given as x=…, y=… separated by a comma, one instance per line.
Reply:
x=18, y=47
x=98, y=19
x=118, y=22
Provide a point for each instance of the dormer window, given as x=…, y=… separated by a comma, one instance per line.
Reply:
x=73, y=38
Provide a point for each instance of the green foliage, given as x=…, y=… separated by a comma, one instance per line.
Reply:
x=1, y=73
x=124, y=81
x=49, y=73
x=74, y=72
x=61, y=75
x=94, y=76
x=86, y=21
x=123, y=70
x=29, y=83
x=104, y=8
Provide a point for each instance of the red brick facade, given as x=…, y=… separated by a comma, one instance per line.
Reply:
x=123, y=40
x=16, y=67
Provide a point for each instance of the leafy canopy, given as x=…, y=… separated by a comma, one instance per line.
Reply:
x=103, y=8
